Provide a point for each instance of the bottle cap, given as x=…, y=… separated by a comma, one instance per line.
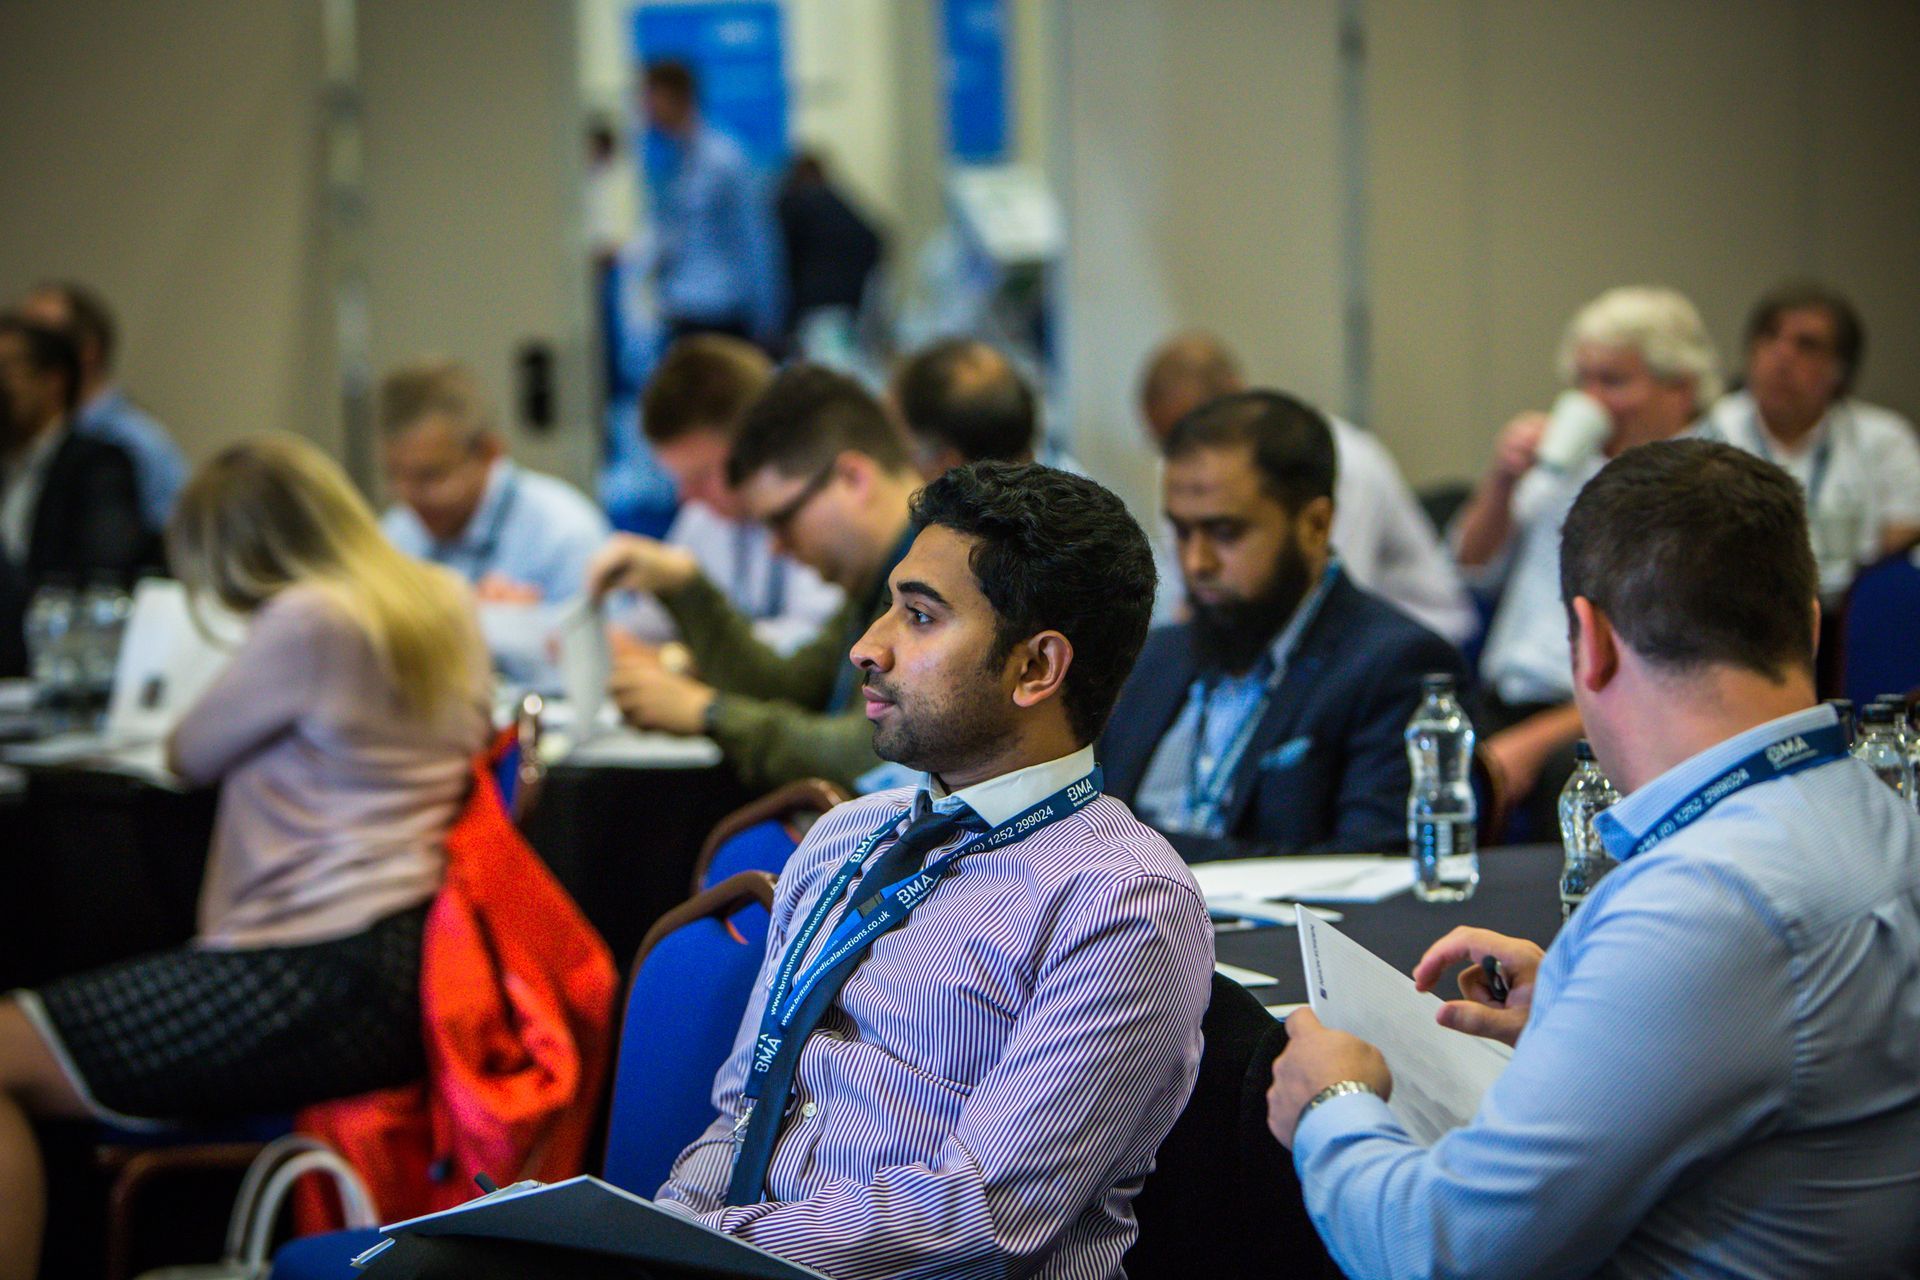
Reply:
x=1435, y=681
x=1583, y=751
x=1880, y=713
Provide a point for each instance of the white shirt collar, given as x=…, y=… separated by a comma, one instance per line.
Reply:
x=998, y=799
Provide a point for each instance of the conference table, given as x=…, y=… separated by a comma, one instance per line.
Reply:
x=1518, y=895
x=103, y=864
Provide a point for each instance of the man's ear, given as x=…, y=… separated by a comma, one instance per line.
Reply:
x=1596, y=646
x=1314, y=526
x=1040, y=668
x=856, y=469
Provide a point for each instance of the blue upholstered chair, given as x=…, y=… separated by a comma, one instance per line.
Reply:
x=685, y=994
x=1880, y=650
x=761, y=836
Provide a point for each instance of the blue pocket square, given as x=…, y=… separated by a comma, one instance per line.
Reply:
x=1285, y=756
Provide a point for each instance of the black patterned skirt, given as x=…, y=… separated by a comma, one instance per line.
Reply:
x=202, y=1033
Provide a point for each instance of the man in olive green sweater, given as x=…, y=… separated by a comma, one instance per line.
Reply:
x=818, y=463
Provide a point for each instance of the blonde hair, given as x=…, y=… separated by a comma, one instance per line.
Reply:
x=273, y=511
x=1658, y=323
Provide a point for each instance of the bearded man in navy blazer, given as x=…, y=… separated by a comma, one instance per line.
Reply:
x=1271, y=721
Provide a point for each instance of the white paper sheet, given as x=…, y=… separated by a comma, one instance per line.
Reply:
x=1341, y=878
x=624, y=748
x=586, y=663
x=1245, y=977
x=1439, y=1076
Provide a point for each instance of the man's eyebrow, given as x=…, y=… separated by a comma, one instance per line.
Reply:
x=918, y=588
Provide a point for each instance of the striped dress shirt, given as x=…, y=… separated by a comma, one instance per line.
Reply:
x=1721, y=1073
x=988, y=1091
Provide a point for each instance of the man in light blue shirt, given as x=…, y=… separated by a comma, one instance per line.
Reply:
x=105, y=413
x=717, y=259
x=1717, y=1062
x=518, y=536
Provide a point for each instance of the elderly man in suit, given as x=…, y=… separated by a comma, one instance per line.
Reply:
x=1271, y=721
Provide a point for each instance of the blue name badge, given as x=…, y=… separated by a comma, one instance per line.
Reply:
x=1286, y=755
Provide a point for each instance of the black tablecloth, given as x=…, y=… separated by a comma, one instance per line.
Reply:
x=101, y=867
x=1518, y=895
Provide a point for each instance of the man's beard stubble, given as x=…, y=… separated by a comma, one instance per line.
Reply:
x=1229, y=638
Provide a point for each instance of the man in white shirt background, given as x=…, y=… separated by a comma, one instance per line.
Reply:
x=1643, y=354
x=1858, y=462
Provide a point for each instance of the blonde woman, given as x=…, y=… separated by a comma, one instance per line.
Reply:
x=340, y=736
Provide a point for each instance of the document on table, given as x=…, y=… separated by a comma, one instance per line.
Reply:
x=586, y=664
x=1334, y=878
x=1439, y=1076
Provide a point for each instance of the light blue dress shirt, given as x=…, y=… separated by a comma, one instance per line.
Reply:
x=159, y=468
x=718, y=254
x=531, y=529
x=1217, y=707
x=1721, y=1073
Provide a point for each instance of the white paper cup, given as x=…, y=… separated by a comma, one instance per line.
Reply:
x=1575, y=430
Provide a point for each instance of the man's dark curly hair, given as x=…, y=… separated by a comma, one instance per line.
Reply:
x=1053, y=552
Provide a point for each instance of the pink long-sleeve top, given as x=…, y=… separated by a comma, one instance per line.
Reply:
x=333, y=800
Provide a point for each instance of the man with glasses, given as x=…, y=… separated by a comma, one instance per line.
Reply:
x=1859, y=463
x=817, y=462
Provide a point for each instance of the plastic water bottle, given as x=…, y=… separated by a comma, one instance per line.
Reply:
x=1911, y=735
x=1843, y=708
x=1440, y=808
x=1878, y=745
x=1587, y=792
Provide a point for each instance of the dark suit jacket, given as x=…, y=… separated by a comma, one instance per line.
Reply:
x=87, y=524
x=1327, y=768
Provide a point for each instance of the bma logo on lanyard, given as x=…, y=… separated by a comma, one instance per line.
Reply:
x=764, y=1051
x=914, y=890
x=1081, y=792
x=1787, y=750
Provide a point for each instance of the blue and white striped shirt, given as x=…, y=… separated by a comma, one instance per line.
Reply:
x=1721, y=1073
x=988, y=1091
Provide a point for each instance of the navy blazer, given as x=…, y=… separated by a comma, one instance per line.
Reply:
x=1327, y=768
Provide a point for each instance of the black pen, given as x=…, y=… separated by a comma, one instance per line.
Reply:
x=1496, y=984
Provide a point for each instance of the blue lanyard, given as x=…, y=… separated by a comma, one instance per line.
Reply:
x=482, y=554
x=1207, y=797
x=858, y=930
x=1788, y=756
x=1822, y=455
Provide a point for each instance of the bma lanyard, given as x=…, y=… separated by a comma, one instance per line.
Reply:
x=1787, y=756
x=1206, y=797
x=482, y=553
x=857, y=931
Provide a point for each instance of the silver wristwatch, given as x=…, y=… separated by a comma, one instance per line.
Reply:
x=1338, y=1089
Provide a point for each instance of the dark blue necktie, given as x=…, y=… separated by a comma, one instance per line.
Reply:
x=928, y=832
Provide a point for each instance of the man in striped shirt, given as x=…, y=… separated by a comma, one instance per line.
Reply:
x=1717, y=1063
x=986, y=1090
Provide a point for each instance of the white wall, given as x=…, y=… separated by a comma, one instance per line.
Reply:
x=1196, y=164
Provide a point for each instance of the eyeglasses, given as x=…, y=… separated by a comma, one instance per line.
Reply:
x=790, y=510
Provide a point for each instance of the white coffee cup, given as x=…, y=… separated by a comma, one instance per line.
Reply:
x=1575, y=429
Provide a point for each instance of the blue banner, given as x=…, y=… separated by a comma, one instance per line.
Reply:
x=975, y=33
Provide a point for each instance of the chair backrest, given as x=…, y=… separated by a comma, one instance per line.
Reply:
x=1222, y=1201
x=760, y=836
x=1882, y=617
x=689, y=986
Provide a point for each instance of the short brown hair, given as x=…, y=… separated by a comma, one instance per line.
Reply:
x=703, y=383
x=430, y=386
x=1849, y=335
x=809, y=416
x=1697, y=552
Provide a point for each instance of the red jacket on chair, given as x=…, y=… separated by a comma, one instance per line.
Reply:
x=516, y=995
